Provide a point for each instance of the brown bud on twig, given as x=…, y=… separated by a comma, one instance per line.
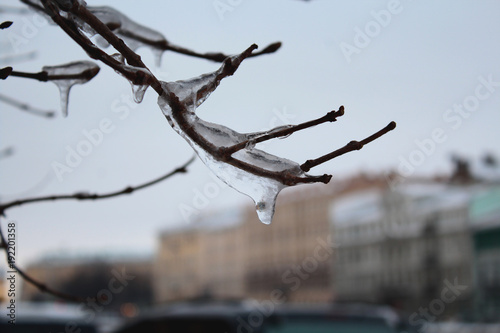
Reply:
x=5, y=72
x=5, y=25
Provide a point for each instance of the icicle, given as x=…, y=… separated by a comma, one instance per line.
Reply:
x=64, y=96
x=232, y=156
x=138, y=92
x=67, y=75
x=157, y=54
x=262, y=190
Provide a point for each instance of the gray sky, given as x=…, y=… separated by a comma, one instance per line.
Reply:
x=431, y=66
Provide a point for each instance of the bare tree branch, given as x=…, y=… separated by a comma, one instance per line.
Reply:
x=78, y=196
x=353, y=145
x=95, y=196
x=43, y=76
x=176, y=109
x=329, y=117
x=5, y=72
x=26, y=107
x=39, y=285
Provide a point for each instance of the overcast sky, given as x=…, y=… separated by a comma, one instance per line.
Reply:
x=431, y=66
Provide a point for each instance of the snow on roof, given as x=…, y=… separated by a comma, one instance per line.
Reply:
x=366, y=206
x=209, y=221
x=357, y=208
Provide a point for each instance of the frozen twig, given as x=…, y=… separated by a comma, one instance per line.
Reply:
x=63, y=76
x=231, y=155
x=43, y=76
x=329, y=117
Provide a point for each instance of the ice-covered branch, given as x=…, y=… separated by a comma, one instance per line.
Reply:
x=95, y=196
x=81, y=70
x=232, y=156
x=136, y=35
x=63, y=76
x=285, y=131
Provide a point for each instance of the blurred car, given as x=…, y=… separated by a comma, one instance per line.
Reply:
x=255, y=317
x=45, y=318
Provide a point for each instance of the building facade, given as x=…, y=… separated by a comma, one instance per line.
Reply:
x=403, y=245
x=366, y=239
x=234, y=255
x=117, y=283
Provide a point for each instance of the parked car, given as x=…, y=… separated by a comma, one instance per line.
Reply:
x=255, y=317
x=45, y=318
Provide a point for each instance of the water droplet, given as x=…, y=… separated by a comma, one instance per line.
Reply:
x=138, y=92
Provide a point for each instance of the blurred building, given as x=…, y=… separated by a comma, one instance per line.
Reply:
x=379, y=239
x=485, y=220
x=403, y=245
x=413, y=242
x=203, y=260
x=233, y=255
x=118, y=282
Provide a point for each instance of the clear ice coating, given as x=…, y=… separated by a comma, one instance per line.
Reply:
x=138, y=90
x=134, y=34
x=264, y=191
x=67, y=75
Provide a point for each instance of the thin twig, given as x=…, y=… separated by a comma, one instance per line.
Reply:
x=353, y=145
x=78, y=196
x=26, y=107
x=43, y=76
x=329, y=117
x=40, y=286
x=164, y=45
x=95, y=196
x=40, y=76
x=94, y=52
x=102, y=29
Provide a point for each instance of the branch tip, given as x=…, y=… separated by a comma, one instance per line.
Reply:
x=351, y=146
x=5, y=72
x=5, y=25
